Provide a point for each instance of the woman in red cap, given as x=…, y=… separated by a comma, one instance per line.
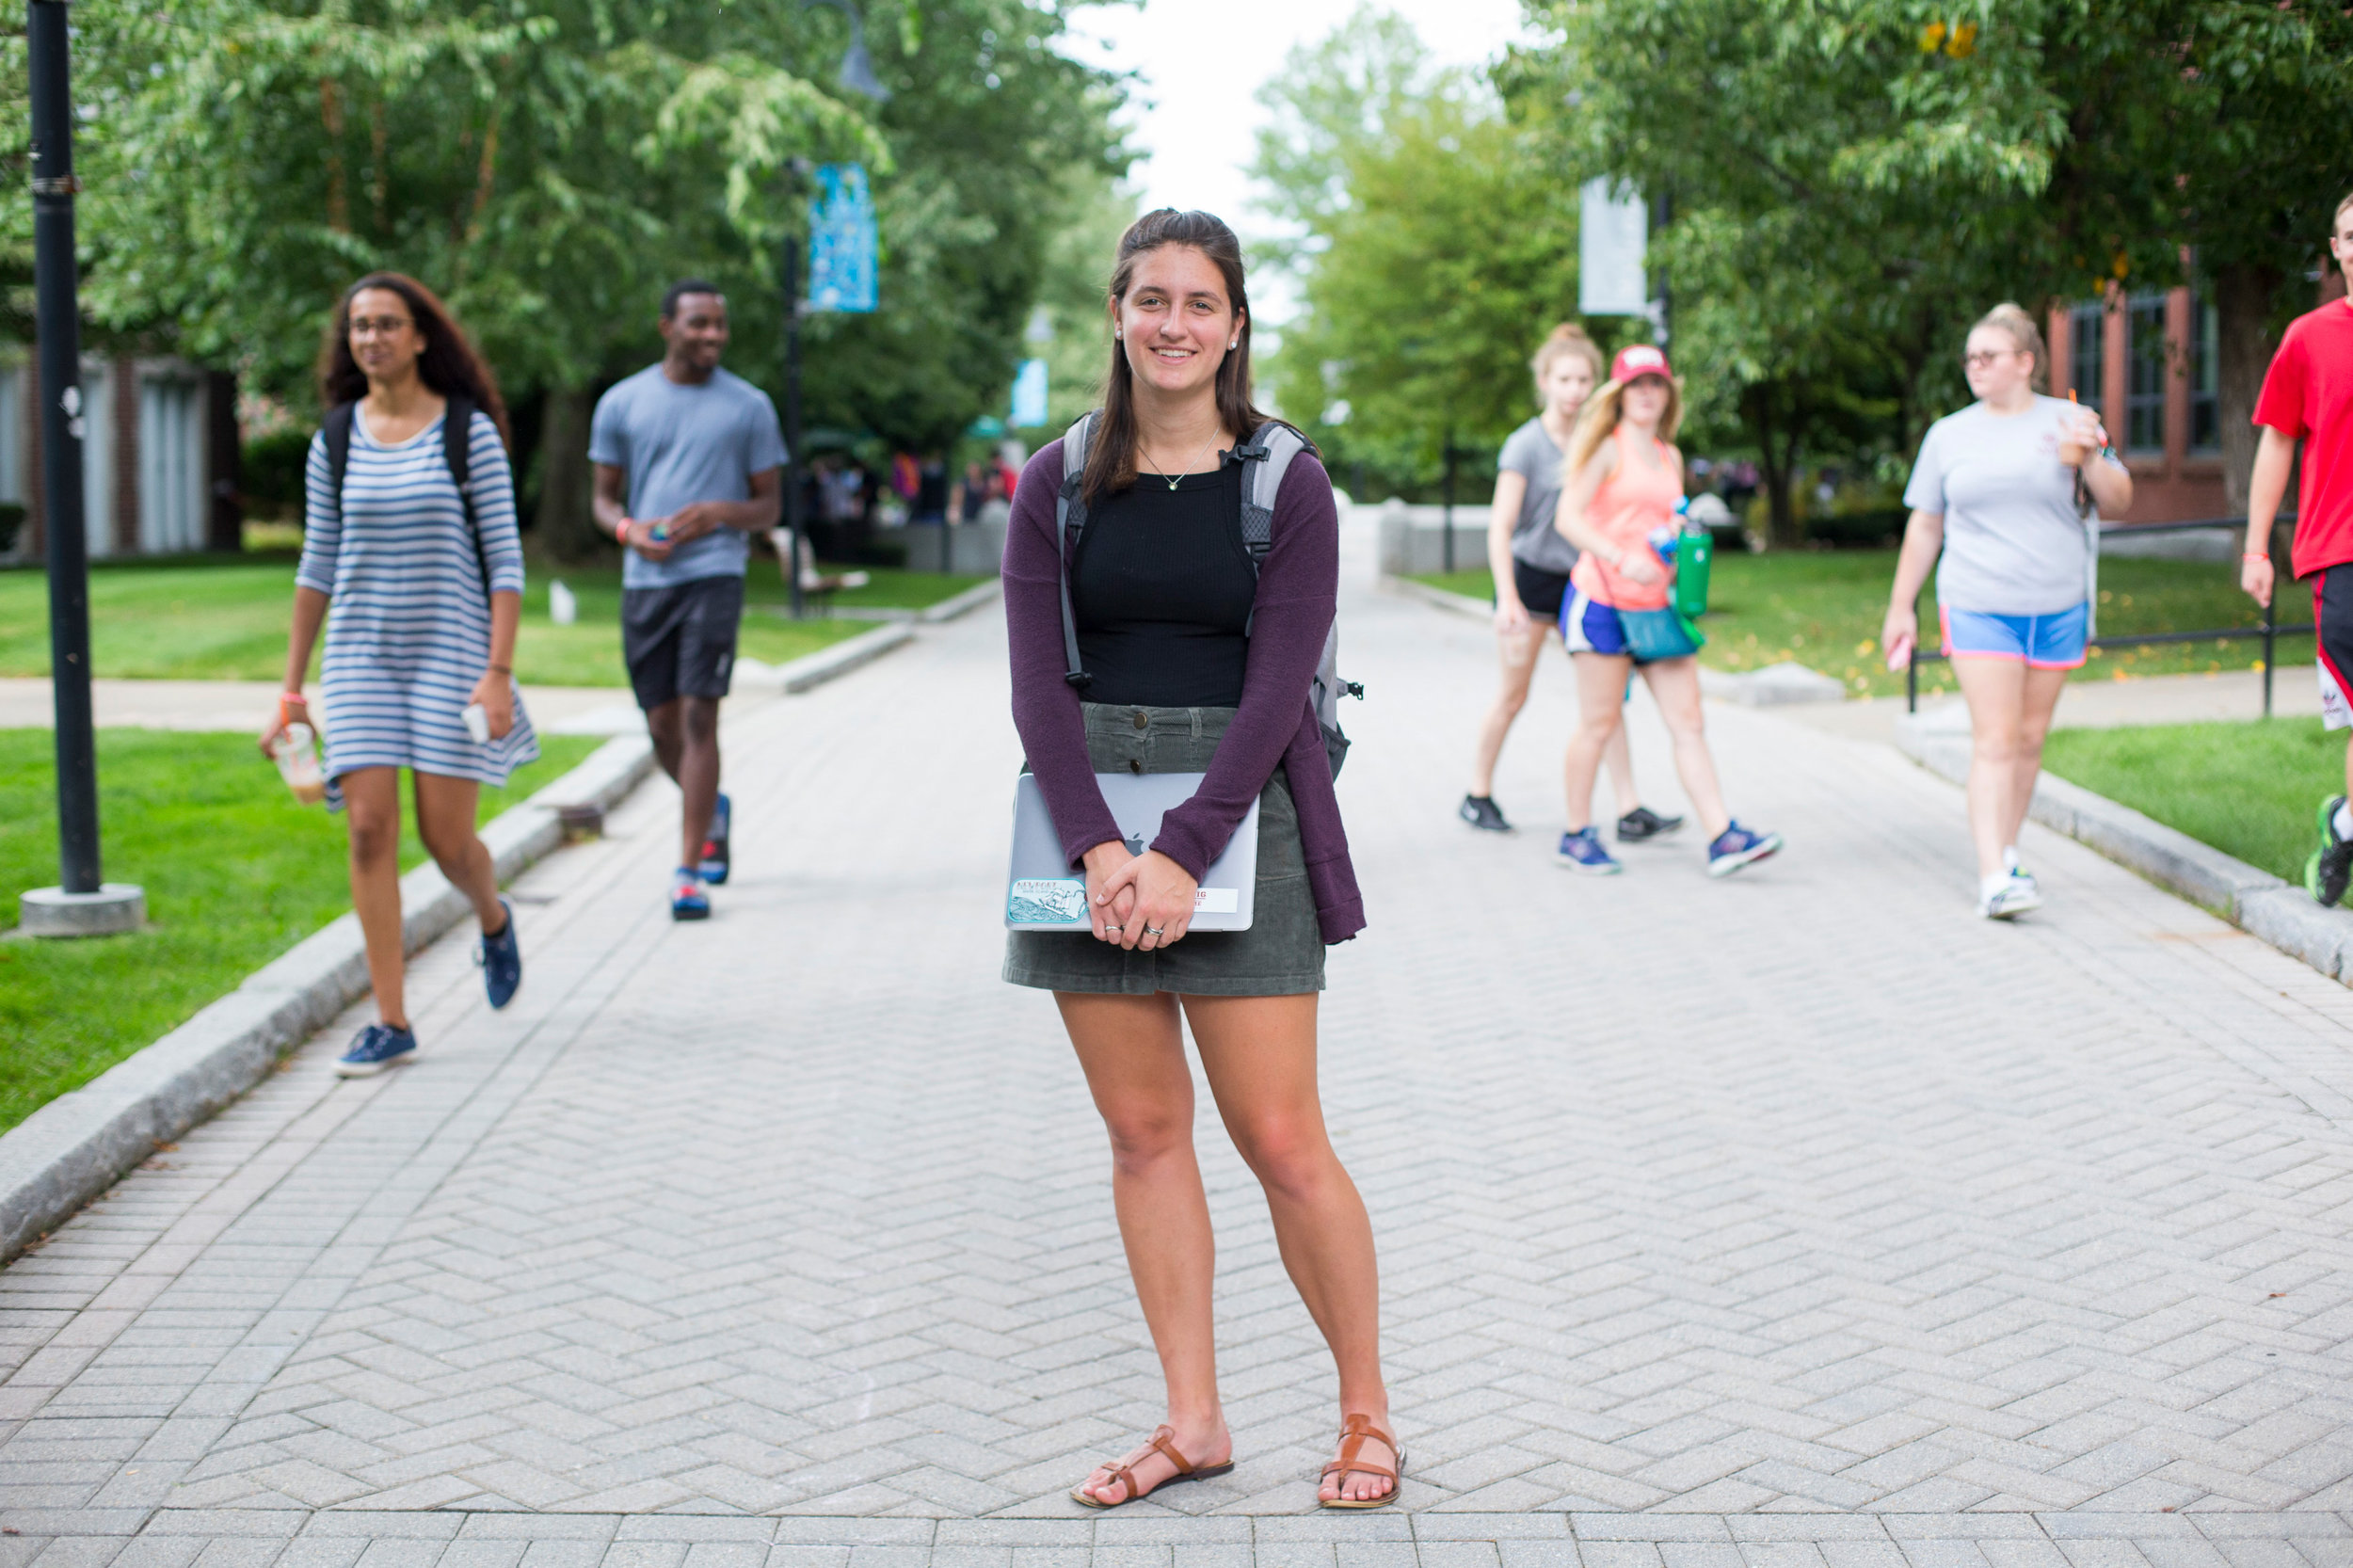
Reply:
x=1620, y=482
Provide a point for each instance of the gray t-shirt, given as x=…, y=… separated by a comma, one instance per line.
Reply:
x=683, y=442
x=2013, y=543
x=1531, y=453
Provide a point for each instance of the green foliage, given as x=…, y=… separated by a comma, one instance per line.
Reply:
x=549, y=165
x=235, y=873
x=1439, y=251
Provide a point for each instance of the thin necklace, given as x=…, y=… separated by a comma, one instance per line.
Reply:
x=1172, y=478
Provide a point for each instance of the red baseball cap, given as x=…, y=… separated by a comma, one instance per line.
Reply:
x=1639, y=358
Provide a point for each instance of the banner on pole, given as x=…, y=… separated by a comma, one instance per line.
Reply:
x=1612, y=228
x=1028, y=395
x=842, y=244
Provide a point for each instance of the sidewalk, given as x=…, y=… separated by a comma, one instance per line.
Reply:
x=1799, y=1208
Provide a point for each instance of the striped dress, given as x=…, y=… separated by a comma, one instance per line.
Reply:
x=409, y=632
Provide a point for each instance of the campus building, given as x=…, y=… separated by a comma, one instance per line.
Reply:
x=159, y=456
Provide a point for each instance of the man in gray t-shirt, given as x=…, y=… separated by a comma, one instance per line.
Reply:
x=689, y=461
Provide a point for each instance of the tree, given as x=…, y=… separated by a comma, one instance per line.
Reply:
x=1437, y=252
x=550, y=163
x=1923, y=164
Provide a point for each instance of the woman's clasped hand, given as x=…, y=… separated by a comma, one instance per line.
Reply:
x=1142, y=902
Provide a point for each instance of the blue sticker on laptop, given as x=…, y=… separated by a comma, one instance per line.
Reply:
x=1041, y=899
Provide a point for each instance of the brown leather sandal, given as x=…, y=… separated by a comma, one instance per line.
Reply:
x=1122, y=1472
x=1354, y=1430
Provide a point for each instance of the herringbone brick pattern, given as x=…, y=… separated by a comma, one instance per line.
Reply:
x=1804, y=1193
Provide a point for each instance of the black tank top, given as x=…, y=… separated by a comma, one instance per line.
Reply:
x=1161, y=591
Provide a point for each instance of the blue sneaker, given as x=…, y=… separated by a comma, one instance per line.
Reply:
x=501, y=960
x=715, y=861
x=687, y=899
x=374, y=1048
x=1737, y=846
x=1581, y=851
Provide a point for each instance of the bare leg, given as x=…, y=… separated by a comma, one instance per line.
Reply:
x=1675, y=685
x=1619, y=760
x=2039, y=701
x=685, y=733
x=1996, y=690
x=1259, y=1053
x=1600, y=718
x=1518, y=653
x=371, y=810
x=1134, y=1059
x=445, y=820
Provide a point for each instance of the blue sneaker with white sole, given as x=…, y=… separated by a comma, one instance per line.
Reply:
x=374, y=1048
x=1737, y=846
x=688, y=902
x=714, y=857
x=1581, y=851
x=501, y=959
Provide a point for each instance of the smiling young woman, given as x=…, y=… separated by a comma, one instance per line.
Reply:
x=1197, y=664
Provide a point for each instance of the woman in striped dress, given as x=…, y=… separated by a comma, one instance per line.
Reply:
x=427, y=581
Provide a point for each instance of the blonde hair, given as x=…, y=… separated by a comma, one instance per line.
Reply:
x=2024, y=336
x=1598, y=420
x=1567, y=338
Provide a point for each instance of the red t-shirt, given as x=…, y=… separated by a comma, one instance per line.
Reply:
x=2307, y=392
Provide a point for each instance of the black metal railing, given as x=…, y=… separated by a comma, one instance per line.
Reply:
x=2267, y=629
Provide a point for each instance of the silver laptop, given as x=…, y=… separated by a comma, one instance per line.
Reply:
x=1044, y=894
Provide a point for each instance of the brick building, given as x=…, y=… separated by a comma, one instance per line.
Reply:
x=159, y=455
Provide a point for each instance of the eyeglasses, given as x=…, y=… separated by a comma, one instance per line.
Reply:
x=1984, y=357
x=362, y=326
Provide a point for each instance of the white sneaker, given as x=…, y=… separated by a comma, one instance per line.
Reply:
x=2014, y=897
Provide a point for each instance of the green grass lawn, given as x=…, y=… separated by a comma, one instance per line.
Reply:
x=2250, y=790
x=1822, y=609
x=235, y=873
x=224, y=618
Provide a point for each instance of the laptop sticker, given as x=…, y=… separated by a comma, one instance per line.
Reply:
x=1217, y=901
x=1046, y=899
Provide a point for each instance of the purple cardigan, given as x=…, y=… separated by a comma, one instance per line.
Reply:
x=1297, y=597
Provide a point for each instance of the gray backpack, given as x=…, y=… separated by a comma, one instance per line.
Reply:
x=1265, y=458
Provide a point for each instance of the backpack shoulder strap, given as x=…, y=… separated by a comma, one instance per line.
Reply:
x=336, y=431
x=1266, y=457
x=457, y=452
x=1070, y=520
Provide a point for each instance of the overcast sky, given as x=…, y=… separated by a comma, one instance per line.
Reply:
x=1202, y=62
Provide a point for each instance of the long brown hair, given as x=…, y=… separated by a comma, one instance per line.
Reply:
x=449, y=364
x=1112, y=451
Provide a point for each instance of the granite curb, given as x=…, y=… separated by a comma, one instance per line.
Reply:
x=2258, y=902
x=80, y=1144
x=971, y=599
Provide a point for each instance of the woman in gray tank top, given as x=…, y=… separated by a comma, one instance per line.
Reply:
x=1531, y=564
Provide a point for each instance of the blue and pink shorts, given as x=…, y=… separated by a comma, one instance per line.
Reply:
x=2051, y=642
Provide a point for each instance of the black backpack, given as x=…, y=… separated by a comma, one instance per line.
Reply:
x=1265, y=458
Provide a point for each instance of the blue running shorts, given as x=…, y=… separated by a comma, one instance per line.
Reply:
x=1589, y=626
x=2051, y=642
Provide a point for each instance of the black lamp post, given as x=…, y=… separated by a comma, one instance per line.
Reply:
x=81, y=904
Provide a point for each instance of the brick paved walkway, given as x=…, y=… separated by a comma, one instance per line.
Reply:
x=1797, y=1222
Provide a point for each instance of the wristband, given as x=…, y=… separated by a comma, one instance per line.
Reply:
x=2255, y=555
x=500, y=669
x=294, y=696
x=620, y=531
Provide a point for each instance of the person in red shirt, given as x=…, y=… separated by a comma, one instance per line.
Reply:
x=2307, y=395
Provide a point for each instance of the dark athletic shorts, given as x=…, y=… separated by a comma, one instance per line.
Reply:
x=1542, y=591
x=2332, y=611
x=679, y=641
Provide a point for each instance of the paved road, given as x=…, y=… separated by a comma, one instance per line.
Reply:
x=1797, y=1222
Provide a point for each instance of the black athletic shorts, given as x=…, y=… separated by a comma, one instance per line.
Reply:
x=1543, y=592
x=2332, y=613
x=679, y=641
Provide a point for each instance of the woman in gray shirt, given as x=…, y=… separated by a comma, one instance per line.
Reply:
x=1995, y=491
x=1531, y=564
